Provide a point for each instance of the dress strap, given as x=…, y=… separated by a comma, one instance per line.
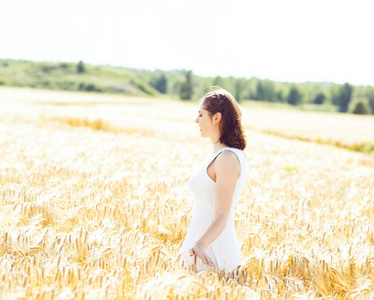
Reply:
x=220, y=150
x=215, y=154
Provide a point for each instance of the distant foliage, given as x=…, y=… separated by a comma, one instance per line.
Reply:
x=362, y=109
x=64, y=66
x=48, y=68
x=294, y=96
x=90, y=87
x=65, y=76
x=238, y=90
x=178, y=83
x=371, y=103
x=186, y=90
x=319, y=98
x=66, y=85
x=369, y=93
x=80, y=67
x=142, y=86
x=265, y=91
x=280, y=97
x=344, y=97
x=218, y=81
x=360, y=106
x=160, y=83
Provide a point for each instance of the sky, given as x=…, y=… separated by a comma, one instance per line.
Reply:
x=288, y=40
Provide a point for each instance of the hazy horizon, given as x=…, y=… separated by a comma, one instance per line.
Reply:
x=289, y=41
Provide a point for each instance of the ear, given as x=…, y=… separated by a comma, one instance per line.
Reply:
x=217, y=117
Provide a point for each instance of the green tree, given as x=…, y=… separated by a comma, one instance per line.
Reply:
x=361, y=107
x=265, y=90
x=218, y=81
x=294, y=96
x=344, y=97
x=160, y=84
x=186, y=88
x=176, y=87
x=279, y=96
x=334, y=92
x=238, y=90
x=319, y=98
x=80, y=67
x=260, y=93
x=369, y=93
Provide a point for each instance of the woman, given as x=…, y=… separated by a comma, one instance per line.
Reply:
x=216, y=186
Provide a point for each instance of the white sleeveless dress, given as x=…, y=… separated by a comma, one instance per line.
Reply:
x=224, y=251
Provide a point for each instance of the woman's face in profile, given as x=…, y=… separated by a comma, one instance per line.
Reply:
x=204, y=121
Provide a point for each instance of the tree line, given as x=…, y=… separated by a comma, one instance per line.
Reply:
x=182, y=84
x=344, y=97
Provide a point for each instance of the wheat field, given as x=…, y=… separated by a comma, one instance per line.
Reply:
x=94, y=202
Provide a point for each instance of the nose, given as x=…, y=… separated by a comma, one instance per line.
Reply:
x=197, y=120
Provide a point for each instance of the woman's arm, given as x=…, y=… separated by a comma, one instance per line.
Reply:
x=227, y=169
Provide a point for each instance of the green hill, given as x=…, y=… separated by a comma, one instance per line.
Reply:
x=65, y=76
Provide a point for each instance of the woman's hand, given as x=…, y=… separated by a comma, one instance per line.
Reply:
x=198, y=250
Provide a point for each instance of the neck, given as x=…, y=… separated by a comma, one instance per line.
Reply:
x=218, y=146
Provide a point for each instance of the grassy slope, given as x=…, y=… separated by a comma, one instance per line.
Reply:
x=64, y=76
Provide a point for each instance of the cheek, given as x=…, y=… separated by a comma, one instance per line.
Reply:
x=205, y=121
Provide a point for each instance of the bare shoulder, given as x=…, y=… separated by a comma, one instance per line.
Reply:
x=228, y=159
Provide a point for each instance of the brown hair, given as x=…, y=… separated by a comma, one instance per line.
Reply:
x=231, y=129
